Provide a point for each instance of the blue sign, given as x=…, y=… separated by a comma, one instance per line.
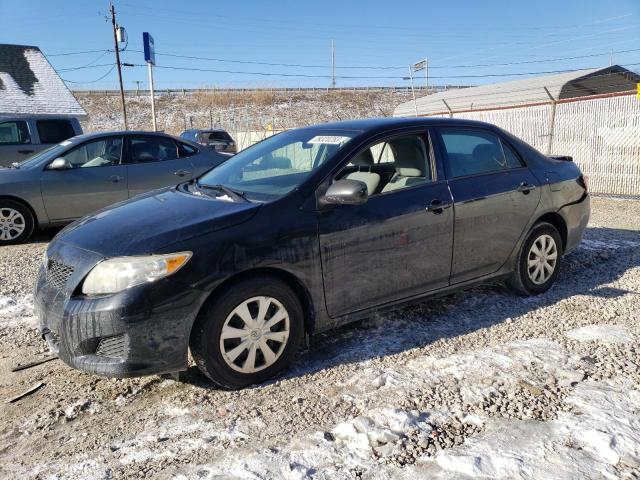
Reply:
x=149, y=49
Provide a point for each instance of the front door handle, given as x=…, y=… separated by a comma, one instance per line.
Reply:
x=116, y=178
x=438, y=206
x=182, y=172
x=25, y=151
x=525, y=187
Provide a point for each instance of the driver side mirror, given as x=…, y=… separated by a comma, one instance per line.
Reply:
x=345, y=192
x=59, y=164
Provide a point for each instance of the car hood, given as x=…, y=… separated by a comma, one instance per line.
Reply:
x=10, y=175
x=149, y=222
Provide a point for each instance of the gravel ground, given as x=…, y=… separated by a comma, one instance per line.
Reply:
x=441, y=389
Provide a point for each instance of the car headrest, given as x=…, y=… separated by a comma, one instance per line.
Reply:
x=410, y=156
x=276, y=162
x=488, y=154
x=363, y=159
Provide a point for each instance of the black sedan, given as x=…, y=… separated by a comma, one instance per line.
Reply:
x=302, y=232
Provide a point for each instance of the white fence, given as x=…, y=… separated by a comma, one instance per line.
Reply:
x=602, y=134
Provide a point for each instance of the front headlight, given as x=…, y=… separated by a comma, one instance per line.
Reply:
x=117, y=274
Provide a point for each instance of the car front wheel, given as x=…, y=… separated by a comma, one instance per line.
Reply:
x=539, y=260
x=16, y=222
x=249, y=333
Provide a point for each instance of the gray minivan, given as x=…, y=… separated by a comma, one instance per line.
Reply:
x=21, y=137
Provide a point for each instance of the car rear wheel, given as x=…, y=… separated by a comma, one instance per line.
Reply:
x=16, y=222
x=539, y=260
x=249, y=333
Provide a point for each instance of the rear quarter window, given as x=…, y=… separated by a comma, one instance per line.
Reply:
x=54, y=131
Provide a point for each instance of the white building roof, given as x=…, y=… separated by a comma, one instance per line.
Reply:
x=572, y=84
x=29, y=85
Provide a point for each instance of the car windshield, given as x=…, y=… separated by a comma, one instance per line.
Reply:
x=274, y=167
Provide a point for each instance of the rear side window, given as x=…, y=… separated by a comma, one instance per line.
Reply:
x=153, y=149
x=14, y=133
x=224, y=136
x=473, y=152
x=54, y=131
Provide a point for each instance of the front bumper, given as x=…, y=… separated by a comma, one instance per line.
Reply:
x=140, y=331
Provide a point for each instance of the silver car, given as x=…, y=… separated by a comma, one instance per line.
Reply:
x=88, y=172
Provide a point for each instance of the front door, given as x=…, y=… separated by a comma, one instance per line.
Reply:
x=95, y=178
x=154, y=162
x=494, y=196
x=394, y=246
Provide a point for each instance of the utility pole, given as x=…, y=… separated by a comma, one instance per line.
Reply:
x=137, y=82
x=333, y=64
x=115, y=42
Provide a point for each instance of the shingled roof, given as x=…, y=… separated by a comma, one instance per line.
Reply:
x=29, y=85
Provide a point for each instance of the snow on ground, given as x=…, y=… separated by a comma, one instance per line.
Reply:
x=598, y=431
x=480, y=384
x=16, y=311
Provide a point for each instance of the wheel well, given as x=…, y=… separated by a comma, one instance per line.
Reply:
x=557, y=221
x=291, y=280
x=26, y=204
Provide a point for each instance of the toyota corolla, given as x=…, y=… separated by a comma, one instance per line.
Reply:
x=302, y=232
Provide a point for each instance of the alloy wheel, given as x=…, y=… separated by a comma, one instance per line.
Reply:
x=542, y=259
x=255, y=334
x=12, y=224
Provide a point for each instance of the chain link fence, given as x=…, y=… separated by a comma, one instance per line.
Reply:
x=602, y=134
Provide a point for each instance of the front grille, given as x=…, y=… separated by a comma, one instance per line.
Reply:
x=117, y=346
x=58, y=273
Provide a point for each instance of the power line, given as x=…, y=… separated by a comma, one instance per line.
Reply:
x=353, y=77
x=74, y=53
x=365, y=67
x=92, y=81
x=73, y=69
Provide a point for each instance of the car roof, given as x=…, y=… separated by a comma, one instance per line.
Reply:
x=205, y=130
x=366, y=124
x=87, y=136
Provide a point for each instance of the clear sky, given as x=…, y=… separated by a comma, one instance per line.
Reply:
x=383, y=36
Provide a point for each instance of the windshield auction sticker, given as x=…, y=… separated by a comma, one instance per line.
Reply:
x=328, y=139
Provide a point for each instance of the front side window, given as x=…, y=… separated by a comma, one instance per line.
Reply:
x=277, y=165
x=54, y=131
x=14, y=133
x=153, y=149
x=393, y=164
x=102, y=152
x=473, y=152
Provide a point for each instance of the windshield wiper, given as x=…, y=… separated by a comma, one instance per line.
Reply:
x=229, y=192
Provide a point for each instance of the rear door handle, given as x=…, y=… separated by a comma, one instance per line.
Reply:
x=437, y=206
x=182, y=172
x=525, y=188
x=25, y=151
x=116, y=178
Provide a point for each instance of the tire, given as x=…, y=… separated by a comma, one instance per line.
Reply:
x=221, y=313
x=16, y=222
x=524, y=279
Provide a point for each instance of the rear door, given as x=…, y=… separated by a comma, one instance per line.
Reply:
x=154, y=161
x=96, y=179
x=494, y=196
x=16, y=142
